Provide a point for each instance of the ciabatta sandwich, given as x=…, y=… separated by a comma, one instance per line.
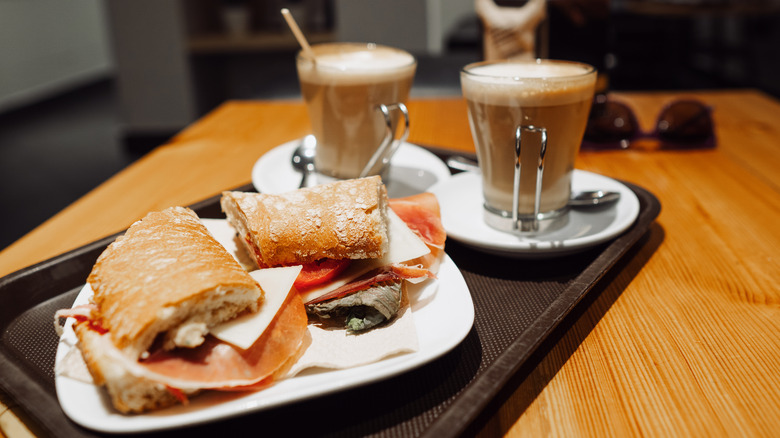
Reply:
x=338, y=221
x=161, y=291
x=354, y=249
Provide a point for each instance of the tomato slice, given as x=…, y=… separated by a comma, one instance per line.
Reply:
x=320, y=271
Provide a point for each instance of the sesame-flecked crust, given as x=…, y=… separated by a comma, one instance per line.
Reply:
x=164, y=260
x=344, y=219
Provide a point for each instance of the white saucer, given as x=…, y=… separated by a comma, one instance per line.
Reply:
x=462, y=214
x=412, y=170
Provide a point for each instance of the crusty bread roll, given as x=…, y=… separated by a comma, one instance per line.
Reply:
x=344, y=219
x=168, y=275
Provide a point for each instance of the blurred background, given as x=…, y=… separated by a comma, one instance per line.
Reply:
x=89, y=86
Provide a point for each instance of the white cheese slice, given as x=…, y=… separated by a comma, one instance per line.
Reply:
x=244, y=330
x=404, y=245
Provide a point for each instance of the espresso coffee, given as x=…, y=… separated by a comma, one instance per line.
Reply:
x=503, y=96
x=342, y=89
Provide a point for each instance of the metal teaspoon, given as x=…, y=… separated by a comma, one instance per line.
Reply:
x=303, y=160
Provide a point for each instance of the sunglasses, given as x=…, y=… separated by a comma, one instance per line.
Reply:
x=682, y=124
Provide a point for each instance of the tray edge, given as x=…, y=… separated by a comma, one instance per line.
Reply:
x=471, y=402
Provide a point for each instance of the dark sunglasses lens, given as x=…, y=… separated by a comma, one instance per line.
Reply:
x=685, y=122
x=610, y=122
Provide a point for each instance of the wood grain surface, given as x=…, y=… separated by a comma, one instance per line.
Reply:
x=682, y=339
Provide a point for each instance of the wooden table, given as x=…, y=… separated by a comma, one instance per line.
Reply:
x=684, y=340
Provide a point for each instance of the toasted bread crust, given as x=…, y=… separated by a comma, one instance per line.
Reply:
x=345, y=219
x=164, y=272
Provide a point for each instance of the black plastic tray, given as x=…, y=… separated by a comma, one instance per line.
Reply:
x=518, y=305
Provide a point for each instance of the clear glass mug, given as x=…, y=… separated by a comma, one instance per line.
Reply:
x=355, y=94
x=527, y=120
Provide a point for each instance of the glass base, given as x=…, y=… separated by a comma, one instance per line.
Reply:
x=526, y=224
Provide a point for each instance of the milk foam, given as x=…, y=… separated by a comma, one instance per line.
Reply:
x=496, y=72
x=528, y=84
x=378, y=59
x=355, y=63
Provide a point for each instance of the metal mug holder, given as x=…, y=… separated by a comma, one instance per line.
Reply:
x=518, y=224
x=388, y=146
x=513, y=221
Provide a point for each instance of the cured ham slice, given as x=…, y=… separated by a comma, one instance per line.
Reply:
x=214, y=364
x=412, y=273
x=422, y=214
x=82, y=313
x=217, y=365
x=380, y=275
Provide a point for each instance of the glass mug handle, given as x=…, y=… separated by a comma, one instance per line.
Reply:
x=388, y=147
x=519, y=224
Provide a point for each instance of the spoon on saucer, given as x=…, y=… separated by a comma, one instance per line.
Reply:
x=588, y=198
x=592, y=198
x=303, y=160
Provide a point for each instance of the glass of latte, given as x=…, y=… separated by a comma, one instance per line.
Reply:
x=527, y=120
x=355, y=95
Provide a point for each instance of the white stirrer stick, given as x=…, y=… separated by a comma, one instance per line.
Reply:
x=298, y=34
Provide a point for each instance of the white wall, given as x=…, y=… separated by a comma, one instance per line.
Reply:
x=444, y=16
x=380, y=21
x=47, y=46
x=420, y=27
x=154, y=77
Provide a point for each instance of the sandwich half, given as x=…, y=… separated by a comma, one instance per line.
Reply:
x=159, y=291
x=342, y=220
x=354, y=250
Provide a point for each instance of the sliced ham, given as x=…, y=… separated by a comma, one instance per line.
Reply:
x=379, y=275
x=219, y=365
x=422, y=214
x=79, y=313
x=216, y=364
x=413, y=273
x=82, y=313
